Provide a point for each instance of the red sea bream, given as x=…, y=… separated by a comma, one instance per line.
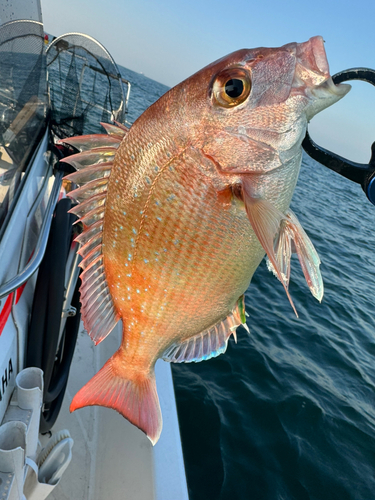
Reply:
x=179, y=210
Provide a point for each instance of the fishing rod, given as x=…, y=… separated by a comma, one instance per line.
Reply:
x=361, y=173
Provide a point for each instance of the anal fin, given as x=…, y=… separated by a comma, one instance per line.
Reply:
x=211, y=342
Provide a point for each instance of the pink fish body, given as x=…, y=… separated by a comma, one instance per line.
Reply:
x=179, y=211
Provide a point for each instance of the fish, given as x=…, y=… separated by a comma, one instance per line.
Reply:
x=179, y=210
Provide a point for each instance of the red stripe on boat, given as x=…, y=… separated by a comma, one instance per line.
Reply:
x=4, y=315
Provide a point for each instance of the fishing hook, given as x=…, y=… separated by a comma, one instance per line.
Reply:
x=361, y=173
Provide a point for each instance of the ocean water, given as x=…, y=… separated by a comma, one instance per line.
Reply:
x=288, y=413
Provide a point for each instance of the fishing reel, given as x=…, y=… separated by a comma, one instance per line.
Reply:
x=361, y=173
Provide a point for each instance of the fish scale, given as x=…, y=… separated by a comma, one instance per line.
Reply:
x=179, y=211
x=161, y=236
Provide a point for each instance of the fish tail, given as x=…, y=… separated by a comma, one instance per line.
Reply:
x=132, y=394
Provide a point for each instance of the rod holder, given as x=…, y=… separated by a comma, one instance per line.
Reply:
x=12, y=458
x=29, y=387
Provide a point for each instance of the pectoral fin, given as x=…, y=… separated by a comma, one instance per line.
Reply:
x=280, y=235
x=266, y=221
x=292, y=237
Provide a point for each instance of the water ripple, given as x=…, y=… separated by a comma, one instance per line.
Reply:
x=296, y=398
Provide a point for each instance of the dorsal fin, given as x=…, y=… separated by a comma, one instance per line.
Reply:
x=211, y=342
x=93, y=165
x=91, y=157
x=118, y=130
x=87, y=142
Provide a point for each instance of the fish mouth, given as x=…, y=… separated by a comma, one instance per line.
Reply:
x=313, y=69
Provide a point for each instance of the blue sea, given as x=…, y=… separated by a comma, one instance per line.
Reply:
x=288, y=413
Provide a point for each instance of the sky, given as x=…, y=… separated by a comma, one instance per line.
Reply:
x=169, y=40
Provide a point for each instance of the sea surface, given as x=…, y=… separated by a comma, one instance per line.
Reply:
x=288, y=413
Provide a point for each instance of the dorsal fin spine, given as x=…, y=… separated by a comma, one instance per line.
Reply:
x=92, y=243
x=89, y=189
x=92, y=274
x=88, y=205
x=93, y=216
x=93, y=289
x=91, y=231
x=95, y=252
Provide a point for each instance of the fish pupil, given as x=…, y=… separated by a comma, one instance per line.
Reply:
x=234, y=88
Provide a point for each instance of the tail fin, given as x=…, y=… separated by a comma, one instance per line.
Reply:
x=132, y=394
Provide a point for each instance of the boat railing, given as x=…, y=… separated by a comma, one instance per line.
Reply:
x=40, y=248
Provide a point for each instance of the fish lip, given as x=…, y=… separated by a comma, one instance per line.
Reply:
x=339, y=90
x=319, y=54
x=312, y=57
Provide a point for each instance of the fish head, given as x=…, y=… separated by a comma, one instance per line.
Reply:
x=254, y=113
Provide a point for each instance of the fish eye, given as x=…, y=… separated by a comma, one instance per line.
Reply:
x=231, y=87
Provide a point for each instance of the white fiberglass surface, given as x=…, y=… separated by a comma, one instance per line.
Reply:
x=111, y=457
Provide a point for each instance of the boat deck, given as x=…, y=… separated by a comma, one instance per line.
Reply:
x=111, y=457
